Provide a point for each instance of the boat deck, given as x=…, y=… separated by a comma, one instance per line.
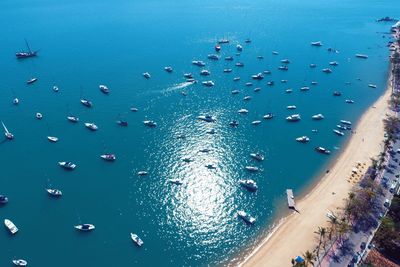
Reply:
x=290, y=199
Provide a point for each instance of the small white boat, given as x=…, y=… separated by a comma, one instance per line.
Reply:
x=361, y=56
x=133, y=109
x=255, y=122
x=7, y=134
x=55, y=88
x=91, y=126
x=322, y=150
x=54, y=192
x=236, y=79
x=314, y=83
x=73, y=119
x=20, y=262
x=204, y=150
x=249, y=84
x=205, y=72
x=239, y=48
x=32, y=80
x=333, y=63
x=146, y=75
x=275, y=53
x=249, y=184
x=206, y=118
x=198, y=63
x=291, y=107
x=229, y=58
x=338, y=132
x=142, y=173
x=235, y=92
x=86, y=103
x=247, y=98
x=318, y=116
x=317, y=43
x=252, y=168
x=211, y=166
x=52, y=139
x=85, y=227
x=104, y=89
x=208, y=83
x=304, y=88
x=168, y=69
x=257, y=89
x=288, y=91
x=257, y=156
x=10, y=226
x=372, y=85
x=313, y=65
x=258, y=76
x=268, y=116
x=211, y=131
x=175, y=181
x=108, y=157
x=150, y=123
x=234, y=123
x=227, y=70
x=3, y=199
x=135, y=238
x=246, y=217
x=67, y=165
x=283, y=81
x=239, y=64
x=243, y=111
x=39, y=116
x=293, y=118
x=303, y=139
x=327, y=70
x=349, y=101
x=15, y=101
x=345, y=122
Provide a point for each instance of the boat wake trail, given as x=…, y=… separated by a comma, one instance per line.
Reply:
x=177, y=87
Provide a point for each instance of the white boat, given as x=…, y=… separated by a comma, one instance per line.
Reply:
x=313, y=65
x=135, y=238
x=239, y=64
x=168, y=69
x=327, y=70
x=239, y=48
x=3, y=199
x=234, y=123
x=208, y=83
x=338, y=132
x=345, y=122
x=150, y=123
x=10, y=226
x=247, y=98
x=258, y=76
x=204, y=150
x=32, y=80
x=175, y=181
x=361, y=56
x=275, y=53
x=104, y=89
x=288, y=91
x=304, y=88
x=133, y=109
x=333, y=63
x=55, y=88
x=322, y=150
x=198, y=63
x=146, y=75
x=207, y=118
x=38, y=115
x=20, y=262
x=52, y=139
x=227, y=70
x=257, y=89
x=235, y=92
x=213, y=56
x=257, y=156
x=142, y=173
x=291, y=107
x=349, y=101
x=7, y=134
x=252, y=168
x=67, y=165
x=229, y=58
x=372, y=85
x=211, y=166
x=317, y=116
x=246, y=217
x=303, y=139
x=255, y=122
x=249, y=184
x=54, y=192
x=211, y=131
x=15, y=101
x=108, y=157
x=294, y=117
x=86, y=103
x=205, y=72
x=73, y=119
x=268, y=116
x=91, y=126
x=249, y=84
x=314, y=83
x=317, y=43
x=236, y=79
x=243, y=111
x=85, y=227
x=283, y=81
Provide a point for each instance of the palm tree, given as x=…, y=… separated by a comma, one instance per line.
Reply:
x=322, y=234
x=309, y=258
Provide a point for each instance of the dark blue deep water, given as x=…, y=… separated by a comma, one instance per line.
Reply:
x=86, y=43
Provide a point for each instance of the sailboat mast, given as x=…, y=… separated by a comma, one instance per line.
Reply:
x=27, y=45
x=5, y=128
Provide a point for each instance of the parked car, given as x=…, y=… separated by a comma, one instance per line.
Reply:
x=387, y=203
x=363, y=245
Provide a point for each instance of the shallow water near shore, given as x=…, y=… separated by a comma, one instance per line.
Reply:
x=86, y=43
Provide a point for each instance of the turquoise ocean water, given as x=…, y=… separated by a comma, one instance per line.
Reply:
x=86, y=43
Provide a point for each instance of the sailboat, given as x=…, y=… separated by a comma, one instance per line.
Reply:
x=8, y=135
x=29, y=53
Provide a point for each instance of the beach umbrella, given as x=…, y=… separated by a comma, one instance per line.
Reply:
x=299, y=259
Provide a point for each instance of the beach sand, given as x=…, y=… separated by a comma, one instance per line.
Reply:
x=295, y=234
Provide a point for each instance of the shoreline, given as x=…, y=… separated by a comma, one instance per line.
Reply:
x=294, y=234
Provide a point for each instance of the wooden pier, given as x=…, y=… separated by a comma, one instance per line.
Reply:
x=290, y=199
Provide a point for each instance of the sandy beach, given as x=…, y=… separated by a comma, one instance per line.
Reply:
x=295, y=234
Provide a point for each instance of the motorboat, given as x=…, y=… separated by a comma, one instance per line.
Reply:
x=327, y=70
x=55, y=88
x=213, y=57
x=252, y=168
x=134, y=109
x=15, y=101
x=104, y=89
x=322, y=150
x=7, y=134
x=198, y=63
x=211, y=166
x=204, y=150
x=291, y=107
x=39, y=116
x=223, y=41
x=312, y=65
x=249, y=84
x=234, y=123
x=217, y=47
x=91, y=126
x=293, y=118
x=317, y=43
x=175, y=181
x=67, y=165
x=20, y=262
x=207, y=118
x=246, y=217
x=249, y=184
x=337, y=93
x=235, y=92
x=54, y=192
x=188, y=75
x=260, y=57
x=361, y=56
x=304, y=88
x=285, y=61
x=187, y=159
x=317, y=116
x=372, y=85
x=73, y=119
x=303, y=139
x=333, y=63
x=229, y=58
x=288, y=91
x=268, y=116
x=108, y=157
x=338, y=132
x=227, y=70
x=150, y=123
x=257, y=89
x=208, y=83
x=267, y=72
x=85, y=227
x=122, y=123
x=270, y=83
x=275, y=53
x=236, y=79
x=314, y=83
x=135, y=238
x=168, y=69
x=345, y=122
x=32, y=80
x=247, y=41
x=243, y=111
x=239, y=48
x=3, y=199
x=239, y=64
x=86, y=103
x=247, y=98
x=142, y=173
x=257, y=122
x=26, y=54
x=211, y=131
x=349, y=101
x=146, y=75
x=10, y=226
x=341, y=127
x=258, y=76
x=52, y=139
x=257, y=156
x=283, y=68
x=205, y=72
x=283, y=81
